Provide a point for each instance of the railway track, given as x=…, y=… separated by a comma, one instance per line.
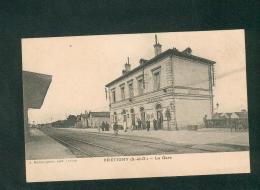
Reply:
x=149, y=142
x=66, y=140
x=162, y=150
x=82, y=142
x=72, y=146
x=132, y=139
x=95, y=145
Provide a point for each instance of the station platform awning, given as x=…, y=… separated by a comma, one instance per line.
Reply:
x=35, y=87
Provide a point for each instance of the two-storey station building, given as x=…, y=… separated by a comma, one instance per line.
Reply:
x=174, y=88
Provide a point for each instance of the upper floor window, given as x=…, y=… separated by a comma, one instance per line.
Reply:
x=113, y=95
x=140, y=86
x=156, y=79
x=122, y=88
x=131, y=89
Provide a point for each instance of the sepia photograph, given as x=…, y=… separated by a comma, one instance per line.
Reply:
x=145, y=97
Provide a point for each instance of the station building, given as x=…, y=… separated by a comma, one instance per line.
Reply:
x=174, y=87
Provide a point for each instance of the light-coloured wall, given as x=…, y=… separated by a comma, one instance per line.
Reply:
x=191, y=73
x=97, y=121
x=193, y=96
x=191, y=111
x=165, y=71
x=164, y=65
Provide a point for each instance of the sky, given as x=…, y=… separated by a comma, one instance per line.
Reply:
x=81, y=66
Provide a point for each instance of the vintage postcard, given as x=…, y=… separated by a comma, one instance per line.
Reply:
x=135, y=105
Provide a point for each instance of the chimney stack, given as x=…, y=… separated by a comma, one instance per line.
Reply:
x=188, y=51
x=157, y=47
x=127, y=67
x=142, y=61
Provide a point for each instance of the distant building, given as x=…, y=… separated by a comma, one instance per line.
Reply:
x=174, y=87
x=82, y=121
x=231, y=115
x=95, y=119
x=227, y=120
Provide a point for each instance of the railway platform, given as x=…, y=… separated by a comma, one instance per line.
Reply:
x=200, y=137
x=42, y=146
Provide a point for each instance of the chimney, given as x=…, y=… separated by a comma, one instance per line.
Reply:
x=187, y=51
x=157, y=47
x=127, y=67
x=142, y=61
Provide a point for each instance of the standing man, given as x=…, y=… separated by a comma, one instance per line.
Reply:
x=159, y=123
x=154, y=124
x=125, y=126
x=103, y=126
x=107, y=126
x=115, y=127
x=148, y=124
x=205, y=121
x=133, y=124
x=168, y=117
x=139, y=123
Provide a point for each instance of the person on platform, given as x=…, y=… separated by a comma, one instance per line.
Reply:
x=159, y=123
x=139, y=122
x=106, y=126
x=154, y=124
x=148, y=124
x=115, y=128
x=133, y=127
x=205, y=121
x=125, y=126
x=99, y=128
x=103, y=126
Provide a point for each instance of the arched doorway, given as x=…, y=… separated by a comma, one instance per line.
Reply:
x=159, y=116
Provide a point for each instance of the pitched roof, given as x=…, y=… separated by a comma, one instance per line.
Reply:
x=241, y=115
x=217, y=116
x=166, y=53
x=100, y=114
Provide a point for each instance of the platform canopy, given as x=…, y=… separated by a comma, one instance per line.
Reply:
x=35, y=87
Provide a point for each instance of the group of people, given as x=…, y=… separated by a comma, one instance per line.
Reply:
x=141, y=125
x=104, y=126
x=147, y=124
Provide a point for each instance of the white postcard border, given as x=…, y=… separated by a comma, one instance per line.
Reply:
x=137, y=166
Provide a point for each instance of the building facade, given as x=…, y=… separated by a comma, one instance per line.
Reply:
x=174, y=88
x=82, y=120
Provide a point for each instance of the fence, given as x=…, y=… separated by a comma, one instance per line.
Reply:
x=234, y=124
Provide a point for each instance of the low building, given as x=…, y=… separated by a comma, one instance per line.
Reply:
x=174, y=88
x=95, y=119
x=229, y=120
x=82, y=121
